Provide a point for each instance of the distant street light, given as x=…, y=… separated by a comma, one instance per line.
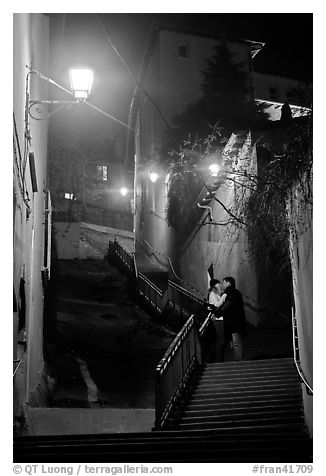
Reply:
x=153, y=176
x=123, y=191
x=214, y=170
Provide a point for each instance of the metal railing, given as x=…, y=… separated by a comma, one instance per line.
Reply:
x=125, y=256
x=16, y=364
x=184, y=302
x=296, y=355
x=151, y=293
x=168, y=260
x=174, y=370
x=179, y=299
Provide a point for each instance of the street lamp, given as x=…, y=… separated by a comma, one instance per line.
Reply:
x=81, y=80
x=153, y=176
x=123, y=191
x=214, y=169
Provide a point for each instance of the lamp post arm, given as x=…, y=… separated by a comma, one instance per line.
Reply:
x=49, y=80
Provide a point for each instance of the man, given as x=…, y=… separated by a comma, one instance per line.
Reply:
x=234, y=317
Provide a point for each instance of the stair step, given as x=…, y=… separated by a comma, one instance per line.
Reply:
x=244, y=384
x=170, y=453
x=282, y=373
x=284, y=362
x=212, y=404
x=280, y=430
x=215, y=409
x=245, y=396
x=245, y=389
x=238, y=415
x=265, y=422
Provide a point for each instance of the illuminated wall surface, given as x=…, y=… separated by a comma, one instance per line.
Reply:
x=173, y=82
x=31, y=47
x=302, y=273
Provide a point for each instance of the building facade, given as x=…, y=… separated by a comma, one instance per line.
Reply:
x=273, y=91
x=171, y=75
x=32, y=214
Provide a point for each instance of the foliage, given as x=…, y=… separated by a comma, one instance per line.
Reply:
x=226, y=98
x=284, y=166
x=185, y=176
x=262, y=196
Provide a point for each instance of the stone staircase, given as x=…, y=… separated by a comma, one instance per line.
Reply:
x=249, y=411
x=260, y=399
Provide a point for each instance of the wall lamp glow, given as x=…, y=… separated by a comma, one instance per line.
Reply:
x=123, y=191
x=153, y=176
x=81, y=80
x=214, y=170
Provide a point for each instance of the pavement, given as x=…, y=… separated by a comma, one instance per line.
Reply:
x=107, y=350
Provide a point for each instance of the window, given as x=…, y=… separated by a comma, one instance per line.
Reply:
x=102, y=172
x=184, y=51
x=273, y=92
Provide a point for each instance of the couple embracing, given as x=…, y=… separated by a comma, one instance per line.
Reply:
x=226, y=304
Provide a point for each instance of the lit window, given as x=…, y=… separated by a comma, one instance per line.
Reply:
x=102, y=172
x=184, y=51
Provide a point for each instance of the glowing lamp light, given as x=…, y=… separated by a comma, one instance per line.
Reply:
x=123, y=191
x=81, y=80
x=153, y=176
x=214, y=170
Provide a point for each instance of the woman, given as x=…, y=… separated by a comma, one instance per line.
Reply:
x=215, y=299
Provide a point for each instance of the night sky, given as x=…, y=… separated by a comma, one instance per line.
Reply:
x=79, y=38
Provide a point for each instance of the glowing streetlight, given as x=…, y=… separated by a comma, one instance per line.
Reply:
x=81, y=80
x=214, y=170
x=123, y=191
x=153, y=176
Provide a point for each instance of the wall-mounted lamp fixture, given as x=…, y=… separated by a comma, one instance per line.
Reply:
x=153, y=176
x=123, y=191
x=81, y=80
x=214, y=170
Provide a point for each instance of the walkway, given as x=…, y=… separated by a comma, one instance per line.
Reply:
x=108, y=347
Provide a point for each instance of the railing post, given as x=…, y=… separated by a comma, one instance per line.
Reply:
x=158, y=411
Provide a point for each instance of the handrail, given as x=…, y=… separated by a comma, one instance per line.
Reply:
x=17, y=364
x=267, y=308
x=186, y=292
x=149, y=282
x=174, y=369
x=125, y=253
x=204, y=325
x=151, y=293
x=123, y=247
x=135, y=265
x=296, y=353
x=154, y=252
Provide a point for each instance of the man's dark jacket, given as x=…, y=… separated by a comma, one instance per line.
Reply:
x=233, y=313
